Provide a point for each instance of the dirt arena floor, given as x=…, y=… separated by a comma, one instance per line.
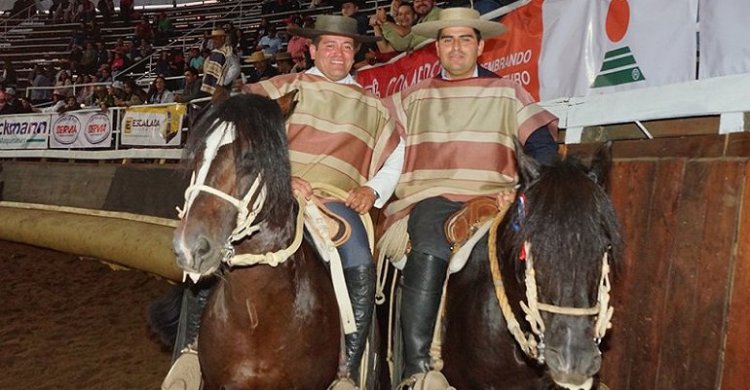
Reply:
x=70, y=323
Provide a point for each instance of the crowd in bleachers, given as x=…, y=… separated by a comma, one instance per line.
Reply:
x=97, y=74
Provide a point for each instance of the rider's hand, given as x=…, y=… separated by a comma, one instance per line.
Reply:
x=361, y=199
x=302, y=186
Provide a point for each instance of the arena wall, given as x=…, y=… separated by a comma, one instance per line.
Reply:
x=123, y=214
x=682, y=291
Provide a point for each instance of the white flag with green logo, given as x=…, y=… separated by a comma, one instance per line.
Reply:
x=724, y=37
x=600, y=46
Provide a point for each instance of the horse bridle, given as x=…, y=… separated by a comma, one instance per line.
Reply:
x=533, y=344
x=224, y=134
x=532, y=308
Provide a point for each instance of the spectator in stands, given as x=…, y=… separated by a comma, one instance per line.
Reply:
x=144, y=50
x=102, y=55
x=229, y=30
x=351, y=8
x=284, y=62
x=270, y=43
x=110, y=96
x=221, y=68
x=192, y=87
x=85, y=90
x=5, y=107
x=300, y=63
x=163, y=29
x=162, y=63
x=133, y=95
x=86, y=11
x=126, y=9
x=262, y=70
x=71, y=104
x=405, y=17
x=106, y=8
x=159, y=93
x=77, y=37
x=118, y=63
x=63, y=84
x=240, y=42
x=400, y=38
x=74, y=14
x=119, y=45
x=262, y=27
x=195, y=59
x=26, y=106
x=296, y=45
x=143, y=30
x=43, y=80
x=53, y=9
x=8, y=76
x=58, y=102
x=89, y=58
x=92, y=31
x=207, y=43
x=176, y=66
x=105, y=74
x=10, y=97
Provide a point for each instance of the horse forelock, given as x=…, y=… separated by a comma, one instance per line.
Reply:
x=260, y=147
x=570, y=223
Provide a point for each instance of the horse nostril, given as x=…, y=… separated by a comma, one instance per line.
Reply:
x=594, y=364
x=201, y=249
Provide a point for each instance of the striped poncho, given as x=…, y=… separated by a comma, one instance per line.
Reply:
x=459, y=138
x=338, y=134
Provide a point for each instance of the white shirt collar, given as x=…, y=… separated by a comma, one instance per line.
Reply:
x=348, y=80
x=445, y=76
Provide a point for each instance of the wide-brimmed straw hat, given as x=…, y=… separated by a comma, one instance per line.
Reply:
x=334, y=25
x=459, y=17
x=218, y=32
x=256, y=57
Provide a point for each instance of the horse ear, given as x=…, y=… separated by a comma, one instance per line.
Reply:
x=601, y=164
x=528, y=168
x=287, y=103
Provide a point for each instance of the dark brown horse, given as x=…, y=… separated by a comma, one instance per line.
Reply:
x=265, y=327
x=569, y=223
x=564, y=221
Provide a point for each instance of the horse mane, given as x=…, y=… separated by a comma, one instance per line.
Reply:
x=260, y=147
x=567, y=208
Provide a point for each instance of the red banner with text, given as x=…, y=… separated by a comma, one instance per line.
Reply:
x=514, y=54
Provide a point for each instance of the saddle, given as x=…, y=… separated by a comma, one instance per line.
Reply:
x=338, y=228
x=464, y=222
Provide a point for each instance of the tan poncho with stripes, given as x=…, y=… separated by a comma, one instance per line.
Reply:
x=459, y=138
x=338, y=134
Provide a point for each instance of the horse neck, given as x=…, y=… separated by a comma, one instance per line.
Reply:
x=276, y=232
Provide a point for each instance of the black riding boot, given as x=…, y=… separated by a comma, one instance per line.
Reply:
x=185, y=372
x=421, y=289
x=194, y=299
x=360, y=282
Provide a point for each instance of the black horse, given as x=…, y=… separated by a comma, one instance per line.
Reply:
x=563, y=220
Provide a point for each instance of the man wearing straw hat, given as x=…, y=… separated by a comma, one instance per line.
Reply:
x=221, y=67
x=342, y=136
x=459, y=130
x=262, y=70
